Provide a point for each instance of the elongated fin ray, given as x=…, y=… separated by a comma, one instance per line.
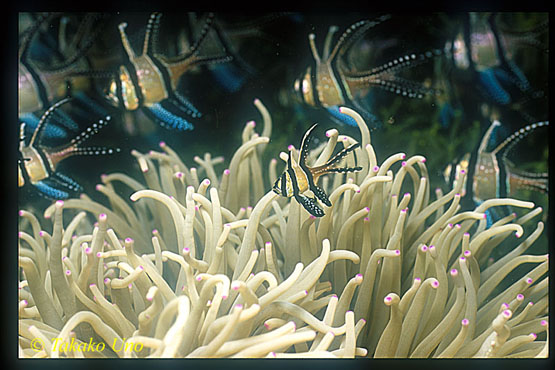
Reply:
x=44, y=118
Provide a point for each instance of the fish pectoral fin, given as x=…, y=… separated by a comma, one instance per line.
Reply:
x=310, y=205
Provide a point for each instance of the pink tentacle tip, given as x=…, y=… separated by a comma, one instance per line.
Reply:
x=533, y=336
x=155, y=231
x=185, y=250
x=507, y=314
x=68, y=272
x=98, y=187
x=207, y=181
x=59, y=203
x=404, y=210
x=450, y=226
x=543, y=323
x=268, y=244
x=179, y=175
x=424, y=248
x=197, y=208
x=435, y=284
x=466, y=234
x=162, y=144
x=423, y=160
x=387, y=299
x=417, y=280
x=366, y=218
x=88, y=250
x=290, y=147
x=529, y=280
x=457, y=226
x=407, y=194
x=454, y=272
x=141, y=268
x=199, y=278
x=376, y=168
x=358, y=276
x=21, y=213
x=98, y=254
x=397, y=252
x=518, y=235
x=530, y=303
x=239, y=306
x=102, y=217
x=367, y=209
x=92, y=284
x=403, y=156
x=357, y=191
x=224, y=297
x=467, y=253
x=341, y=110
x=312, y=217
x=252, y=123
x=25, y=302
x=519, y=297
x=19, y=234
x=107, y=280
x=403, y=163
x=267, y=326
x=465, y=322
x=462, y=259
x=42, y=233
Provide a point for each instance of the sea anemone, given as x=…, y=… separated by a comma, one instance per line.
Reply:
x=223, y=267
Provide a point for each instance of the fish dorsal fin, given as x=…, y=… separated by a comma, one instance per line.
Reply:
x=43, y=119
x=303, y=152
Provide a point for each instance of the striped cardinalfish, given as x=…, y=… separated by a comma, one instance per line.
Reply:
x=149, y=81
x=491, y=173
x=298, y=177
x=328, y=83
x=37, y=163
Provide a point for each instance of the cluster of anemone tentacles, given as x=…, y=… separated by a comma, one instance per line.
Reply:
x=224, y=267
